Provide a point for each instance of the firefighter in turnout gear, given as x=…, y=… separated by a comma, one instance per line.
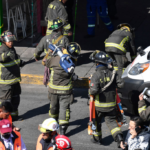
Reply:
x=118, y=43
x=60, y=89
x=143, y=109
x=56, y=36
x=103, y=87
x=56, y=9
x=10, y=64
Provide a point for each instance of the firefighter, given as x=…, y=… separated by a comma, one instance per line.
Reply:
x=143, y=109
x=48, y=131
x=56, y=37
x=56, y=9
x=10, y=64
x=60, y=88
x=103, y=88
x=101, y=7
x=118, y=43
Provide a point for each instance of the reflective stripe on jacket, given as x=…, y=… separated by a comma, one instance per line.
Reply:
x=17, y=141
x=9, y=66
x=104, y=101
x=60, y=81
x=120, y=41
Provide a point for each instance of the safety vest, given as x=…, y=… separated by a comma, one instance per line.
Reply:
x=17, y=142
x=39, y=144
x=10, y=119
x=8, y=65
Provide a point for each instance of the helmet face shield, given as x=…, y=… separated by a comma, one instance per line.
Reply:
x=7, y=36
x=43, y=130
x=10, y=38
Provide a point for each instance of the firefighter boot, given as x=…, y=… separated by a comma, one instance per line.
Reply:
x=96, y=139
x=63, y=129
x=119, y=139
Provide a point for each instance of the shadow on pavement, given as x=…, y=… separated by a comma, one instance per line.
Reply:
x=81, y=125
x=36, y=111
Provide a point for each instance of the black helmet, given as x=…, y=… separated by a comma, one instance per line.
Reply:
x=126, y=25
x=101, y=57
x=56, y=24
x=74, y=49
x=7, y=36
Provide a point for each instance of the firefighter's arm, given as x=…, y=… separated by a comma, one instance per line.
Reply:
x=132, y=47
x=62, y=14
x=94, y=85
x=40, y=48
x=143, y=110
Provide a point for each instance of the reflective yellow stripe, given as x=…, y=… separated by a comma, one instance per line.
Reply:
x=1, y=25
x=67, y=27
x=141, y=109
x=53, y=116
x=116, y=68
x=115, y=130
x=119, y=46
x=63, y=122
x=51, y=85
x=67, y=114
x=45, y=51
x=10, y=81
x=124, y=40
x=98, y=104
x=12, y=63
x=3, y=58
x=53, y=121
x=98, y=134
x=115, y=45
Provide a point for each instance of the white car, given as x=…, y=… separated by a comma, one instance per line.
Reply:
x=136, y=77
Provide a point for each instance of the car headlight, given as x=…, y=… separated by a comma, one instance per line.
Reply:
x=139, y=68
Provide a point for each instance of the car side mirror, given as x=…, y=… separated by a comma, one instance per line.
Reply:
x=140, y=50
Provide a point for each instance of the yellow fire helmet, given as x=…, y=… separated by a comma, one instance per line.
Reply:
x=48, y=125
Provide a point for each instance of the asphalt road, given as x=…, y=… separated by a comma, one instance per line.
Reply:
x=34, y=108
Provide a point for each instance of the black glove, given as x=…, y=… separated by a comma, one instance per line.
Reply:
x=74, y=77
x=22, y=63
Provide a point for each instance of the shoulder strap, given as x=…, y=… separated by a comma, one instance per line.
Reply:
x=58, y=39
x=109, y=83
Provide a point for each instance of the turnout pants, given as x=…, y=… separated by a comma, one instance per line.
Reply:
x=60, y=107
x=11, y=93
x=101, y=7
x=121, y=62
x=110, y=120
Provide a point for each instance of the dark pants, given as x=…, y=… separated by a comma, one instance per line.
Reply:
x=11, y=93
x=121, y=62
x=110, y=120
x=60, y=107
